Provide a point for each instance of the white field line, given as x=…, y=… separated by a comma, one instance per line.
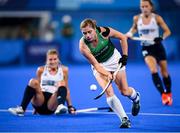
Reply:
x=110, y=113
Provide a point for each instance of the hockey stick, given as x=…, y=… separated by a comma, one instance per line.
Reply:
x=108, y=84
x=77, y=111
x=140, y=39
x=92, y=109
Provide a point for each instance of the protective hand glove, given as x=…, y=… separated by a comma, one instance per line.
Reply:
x=158, y=40
x=123, y=60
x=71, y=109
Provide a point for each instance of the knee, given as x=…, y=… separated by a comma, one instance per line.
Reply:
x=62, y=90
x=164, y=72
x=153, y=70
x=34, y=83
x=109, y=92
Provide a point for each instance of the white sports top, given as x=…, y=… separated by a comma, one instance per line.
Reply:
x=149, y=31
x=49, y=82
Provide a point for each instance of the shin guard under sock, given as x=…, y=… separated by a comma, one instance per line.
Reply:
x=115, y=104
x=167, y=83
x=61, y=95
x=157, y=82
x=28, y=94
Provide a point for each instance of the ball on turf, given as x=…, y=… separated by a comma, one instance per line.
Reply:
x=93, y=87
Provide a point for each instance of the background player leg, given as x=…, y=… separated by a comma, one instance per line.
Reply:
x=61, y=97
x=31, y=90
x=166, y=80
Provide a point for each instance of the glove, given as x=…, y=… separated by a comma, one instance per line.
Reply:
x=123, y=60
x=71, y=109
x=158, y=40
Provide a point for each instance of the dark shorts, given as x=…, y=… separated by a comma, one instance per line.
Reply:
x=156, y=50
x=43, y=109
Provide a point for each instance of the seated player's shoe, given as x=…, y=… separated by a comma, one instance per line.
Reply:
x=61, y=109
x=167, y=99
x=17, y=111
x=125, y=123
x=136, y=106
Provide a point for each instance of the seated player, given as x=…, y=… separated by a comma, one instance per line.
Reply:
x=49, y=91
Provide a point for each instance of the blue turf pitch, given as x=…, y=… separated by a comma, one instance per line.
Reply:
x=154, y=117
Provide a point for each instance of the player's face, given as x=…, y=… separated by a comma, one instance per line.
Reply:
x=146, y=8
x=52, y=60
x=89, y=33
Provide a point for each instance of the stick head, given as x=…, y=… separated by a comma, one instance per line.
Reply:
x=104, y=90
x=98, y=96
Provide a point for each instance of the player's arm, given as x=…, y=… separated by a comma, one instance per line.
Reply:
x=65, y=72
x=164, y=26
x=39, y=71
x=133, y=28
x=92, y=60
x=71, y=108
x=123, y=40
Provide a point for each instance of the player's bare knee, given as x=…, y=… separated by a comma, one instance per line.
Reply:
x=34, y=83
x=61, y=84
x=164, y=73
x=109, y=93
x=153, y=70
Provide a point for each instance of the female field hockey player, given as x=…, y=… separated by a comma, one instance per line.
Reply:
x=49, y=90
x=104, y=58
x=147, y=24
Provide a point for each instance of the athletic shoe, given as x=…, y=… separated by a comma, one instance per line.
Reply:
x=164, y=98
x=125, y=123
x=170, y=99
x=61, y=109
x=136, y=106
x=167, y=99
x=17, y=111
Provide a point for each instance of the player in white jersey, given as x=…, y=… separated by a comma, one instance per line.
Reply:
x=147, y=24
x=49, y=90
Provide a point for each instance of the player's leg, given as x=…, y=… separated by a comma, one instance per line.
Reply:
x=38, y=98
x=71, y=108
x=152, y=55
x=43, y=109
x=121, y=82
x=113, y=102
x=166, y=80
x=57, y=101
x=32, y=92
x=152, y=65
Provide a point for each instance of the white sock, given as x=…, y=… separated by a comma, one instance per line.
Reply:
x=134, y=97
x=115, y=104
